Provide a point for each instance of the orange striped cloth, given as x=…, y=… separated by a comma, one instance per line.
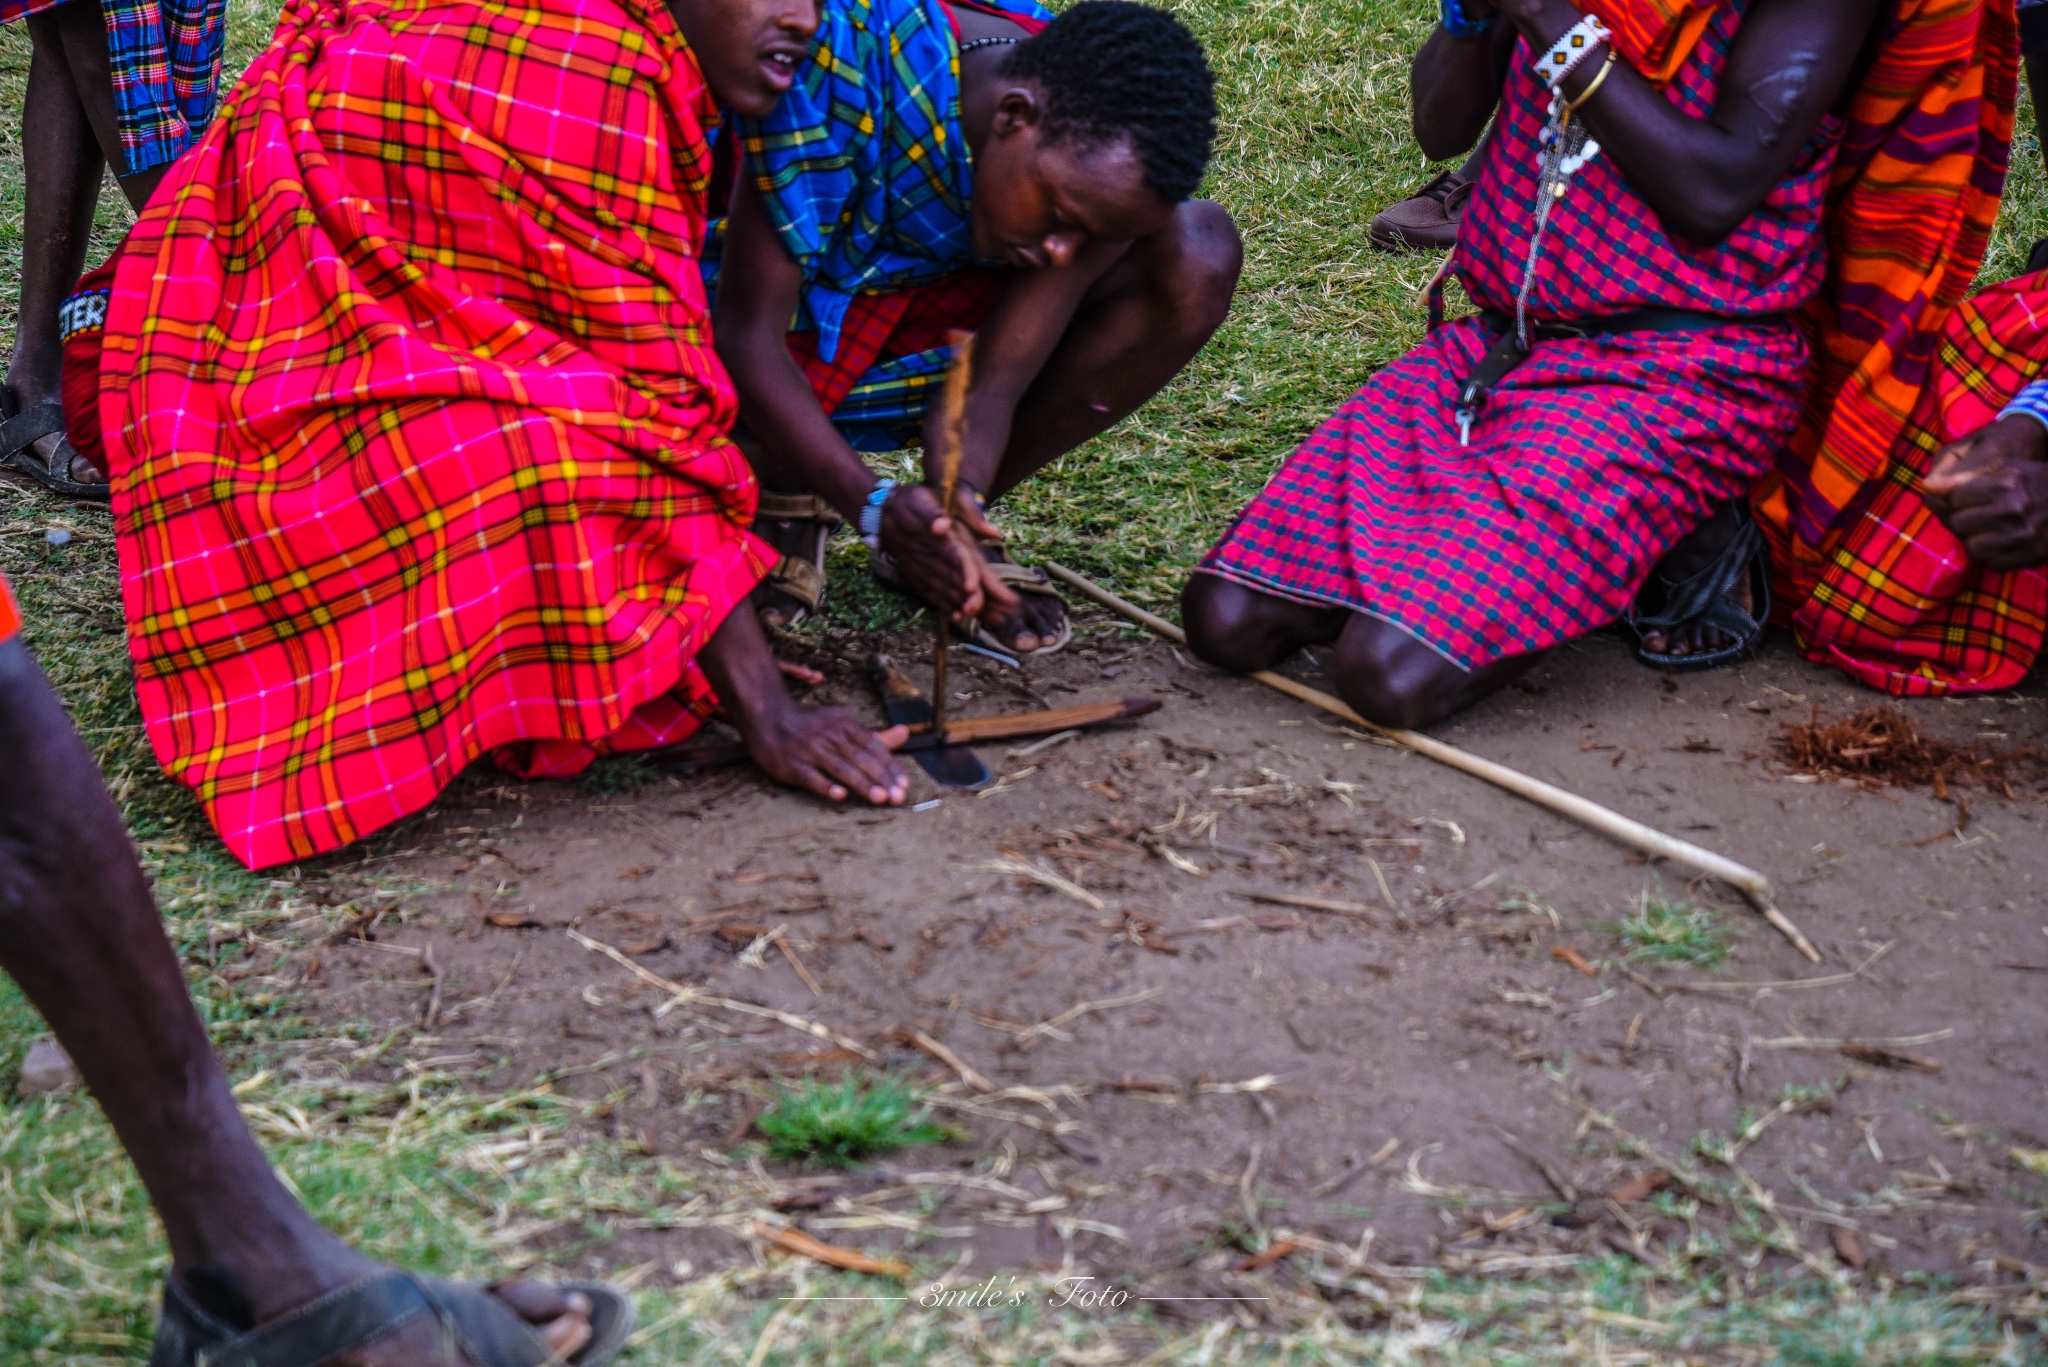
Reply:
x=1917, y=182
x=1654, y=35
x=1916, y=188
x=1900, y=605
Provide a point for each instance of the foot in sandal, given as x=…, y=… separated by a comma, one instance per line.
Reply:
x=1033, y=618
x=372, y=1316
x=800, y=527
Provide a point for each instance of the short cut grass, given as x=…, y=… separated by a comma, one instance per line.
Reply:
x=849, y=1121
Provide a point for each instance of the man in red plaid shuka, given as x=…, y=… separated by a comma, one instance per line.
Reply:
x=416, y=434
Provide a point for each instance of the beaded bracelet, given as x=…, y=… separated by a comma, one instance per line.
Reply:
x=1451, y=14
x=1568, y=51
x=1592, y=86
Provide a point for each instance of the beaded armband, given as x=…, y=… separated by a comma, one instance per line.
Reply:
x=1567, y=52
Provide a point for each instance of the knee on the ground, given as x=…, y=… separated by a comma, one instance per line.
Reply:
x=1201, y=256
x=1222, y=625
x=1394, y=680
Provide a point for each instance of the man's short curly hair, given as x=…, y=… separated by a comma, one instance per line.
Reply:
x=1112, y=69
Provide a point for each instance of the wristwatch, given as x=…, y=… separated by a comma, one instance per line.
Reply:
x=870, y=525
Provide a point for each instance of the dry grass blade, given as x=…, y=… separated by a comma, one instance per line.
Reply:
x=690, y=996
x=1882, y=747
x=952, y=1060
x=1074, y=1013
x=832, y=1255
x=1024, y=868
x=1786, y=984
x=781, y=937
x=1290, y=899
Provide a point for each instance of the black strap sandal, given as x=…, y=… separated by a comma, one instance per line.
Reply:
x=1701, y=600
x=471, y=1322
x=19, y=433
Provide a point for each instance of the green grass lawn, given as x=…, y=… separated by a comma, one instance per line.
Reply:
x=1315, y=141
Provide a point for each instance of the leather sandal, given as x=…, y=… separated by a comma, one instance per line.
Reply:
x=19, y=433
x=798, y=578
x=471, y=1321
x=1028, y=579
x=1701, y=600
x=1023, y=578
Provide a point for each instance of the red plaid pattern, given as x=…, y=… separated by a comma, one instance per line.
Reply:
x=413, y=419
x=885, y=327
x=1593, y=457
x=10, y=613
x=1899, y=605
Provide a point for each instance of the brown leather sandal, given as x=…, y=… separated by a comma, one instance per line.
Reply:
x=799, y=579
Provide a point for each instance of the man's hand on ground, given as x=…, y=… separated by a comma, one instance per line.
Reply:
x=936, y=565
x=1991, y=489
x=829, y=753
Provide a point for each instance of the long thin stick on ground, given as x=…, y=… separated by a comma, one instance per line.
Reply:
x=1609, y=823
x=953, y=431
x=690, y=996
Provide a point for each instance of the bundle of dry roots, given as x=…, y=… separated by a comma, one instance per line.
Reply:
x=1881, y=747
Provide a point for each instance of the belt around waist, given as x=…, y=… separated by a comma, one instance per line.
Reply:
x=1634, y=320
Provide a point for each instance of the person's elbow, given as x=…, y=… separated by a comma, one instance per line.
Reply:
x=1438, y=142
x=1708, y=215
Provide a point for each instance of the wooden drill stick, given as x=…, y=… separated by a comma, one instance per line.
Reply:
x=1752, y=884
x=952, y=442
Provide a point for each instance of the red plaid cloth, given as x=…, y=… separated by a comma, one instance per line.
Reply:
x=883, y=327
x=1899, y=605
x=1593, y=457
x=413, y=419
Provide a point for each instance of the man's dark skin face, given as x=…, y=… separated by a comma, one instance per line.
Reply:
x=748, y=50
x=1991, y=489
x=1789, y=65
x=1063, y=212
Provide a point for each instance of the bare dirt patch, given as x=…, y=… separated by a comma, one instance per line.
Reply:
x=1232, y=980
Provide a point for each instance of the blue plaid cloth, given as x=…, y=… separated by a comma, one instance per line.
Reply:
x=863, y=166
x=165, y=58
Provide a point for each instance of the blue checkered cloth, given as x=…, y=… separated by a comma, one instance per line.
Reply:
x=165, y=59
x=863, y=166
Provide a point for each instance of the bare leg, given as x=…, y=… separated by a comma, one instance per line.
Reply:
x=70, y=135
x=1139, y=326
x=1244, y=631
x=1386, y=674
x=79, y=932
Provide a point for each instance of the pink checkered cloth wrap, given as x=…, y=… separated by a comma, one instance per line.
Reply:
x=1594, y=456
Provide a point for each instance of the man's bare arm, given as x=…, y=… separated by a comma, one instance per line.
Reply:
x=1789, y=66
x=1011, y=347
x=758, y=288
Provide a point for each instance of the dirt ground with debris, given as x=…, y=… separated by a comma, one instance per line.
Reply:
x=1153, y=1070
